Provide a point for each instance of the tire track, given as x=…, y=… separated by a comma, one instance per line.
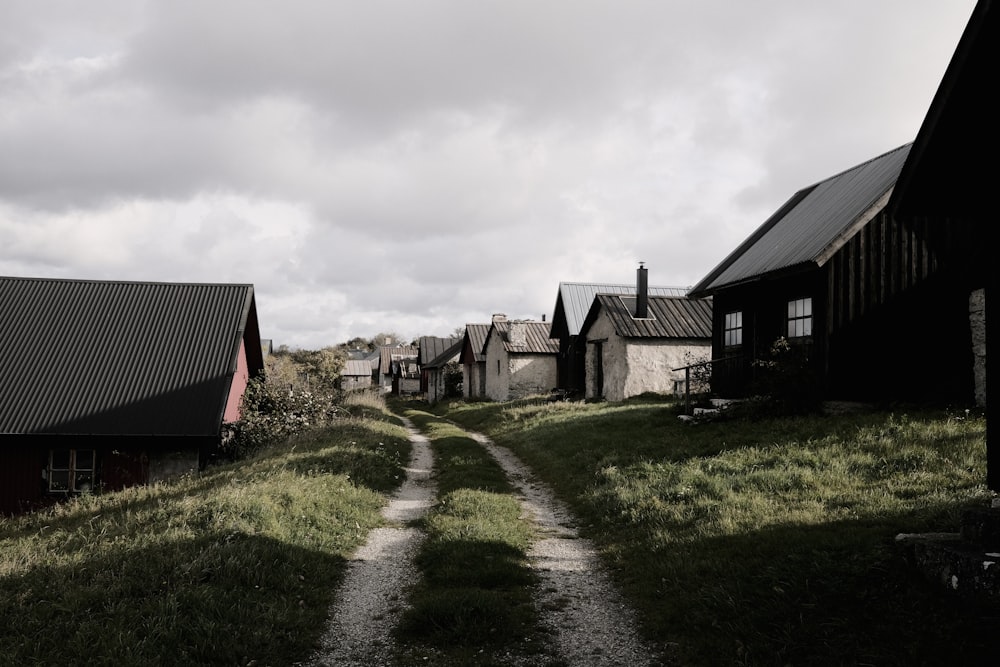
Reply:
x=369, y=602
x=579, y=605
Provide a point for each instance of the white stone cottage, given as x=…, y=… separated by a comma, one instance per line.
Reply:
x=634, y=343
x=520, y=359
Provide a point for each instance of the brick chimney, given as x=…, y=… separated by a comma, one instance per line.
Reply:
x=499, y=317
x=641, y=292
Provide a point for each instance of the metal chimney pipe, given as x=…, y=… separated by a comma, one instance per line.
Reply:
x=641, y=292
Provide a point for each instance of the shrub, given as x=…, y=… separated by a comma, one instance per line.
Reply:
x=271, y=414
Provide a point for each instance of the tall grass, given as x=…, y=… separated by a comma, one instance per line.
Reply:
x=232, y=566
x=766, y=541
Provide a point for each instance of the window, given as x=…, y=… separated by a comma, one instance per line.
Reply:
x=71, y=470
x=733, y=329
x=800, y=318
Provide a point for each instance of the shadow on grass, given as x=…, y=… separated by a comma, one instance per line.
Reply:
x=656, y=495
x=830, y=594
x=476, y=588
x=217, y=599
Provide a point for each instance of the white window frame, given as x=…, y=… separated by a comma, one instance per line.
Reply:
x=732, y=329
x=77, y=476
x=800, y=318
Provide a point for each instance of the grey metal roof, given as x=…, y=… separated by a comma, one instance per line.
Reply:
x=120, y=358
x=668, y=317
x=450, y=354
x=476, y=334
x=537, y=339
x=431, y=347
x=575, y=299
x=357, y=368
x=390, y=353
x=812, y=222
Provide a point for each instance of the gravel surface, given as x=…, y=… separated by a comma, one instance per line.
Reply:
x=372, y=596
x=589, y=622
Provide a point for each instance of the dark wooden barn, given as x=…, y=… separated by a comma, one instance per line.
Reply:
x=946, y=194
x=861, y=306
x=105, y=385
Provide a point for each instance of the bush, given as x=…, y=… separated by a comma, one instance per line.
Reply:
x=271, y=414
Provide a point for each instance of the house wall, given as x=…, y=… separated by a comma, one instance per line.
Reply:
x=890, y=321
x=510, y=376
x=633, y=366
x=121, y=462
x=613, y=368
x=238, y=386
x=474, y=380
x=435, y=385
x=351, y=382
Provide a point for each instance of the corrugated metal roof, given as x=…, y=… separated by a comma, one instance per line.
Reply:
x=476, y=333
x=390, y=353
x=431, y=347
x=809, y=223
x=450, y=354
x=536, y=338
x=357, y=368
x=575, y=299
x=668, y=317
x=118, y=358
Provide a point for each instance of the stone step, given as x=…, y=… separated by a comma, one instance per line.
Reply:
x=962, y=568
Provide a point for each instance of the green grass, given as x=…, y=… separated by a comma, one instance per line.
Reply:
x=765, y=541
x=474, y=600
x=236, y=564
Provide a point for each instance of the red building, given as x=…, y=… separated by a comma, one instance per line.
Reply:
x=105, y=385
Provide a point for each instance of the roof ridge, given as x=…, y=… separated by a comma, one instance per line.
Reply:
x=107, y=281
x=857, y=166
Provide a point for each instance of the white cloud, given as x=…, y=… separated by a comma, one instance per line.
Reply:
x=405, y=166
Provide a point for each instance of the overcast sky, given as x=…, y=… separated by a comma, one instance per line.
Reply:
x=414, y=165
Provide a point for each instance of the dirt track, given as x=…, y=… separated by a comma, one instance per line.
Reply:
x=591, y=624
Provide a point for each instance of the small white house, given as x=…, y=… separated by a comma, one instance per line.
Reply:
x=634, y=343
x=520, y=359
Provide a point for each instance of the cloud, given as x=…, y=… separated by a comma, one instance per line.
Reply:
x=408, y=166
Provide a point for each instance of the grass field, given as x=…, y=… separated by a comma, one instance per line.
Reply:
x=765, y=541
x=746, y=541
x=237, y=565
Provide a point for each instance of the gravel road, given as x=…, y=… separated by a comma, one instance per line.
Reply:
x=591, y=625
x=373, y=594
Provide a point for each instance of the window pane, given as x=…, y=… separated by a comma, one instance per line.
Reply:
x=60, y=459
x=807, y=307
x=58, y=480
x=739, y=318
x=84, y=459
x=807, y=327
x=83, y=482
x=791, y=309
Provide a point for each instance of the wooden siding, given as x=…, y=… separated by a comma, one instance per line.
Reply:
x=877, y=264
